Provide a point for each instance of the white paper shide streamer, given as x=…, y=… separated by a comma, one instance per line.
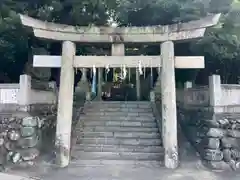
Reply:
x=124, y=71
x=140, y=67
x=107, y=68
x=94, y=70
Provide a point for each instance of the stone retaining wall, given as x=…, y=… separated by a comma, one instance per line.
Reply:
x=27, y=133
x=215, y=136
x=23, y=135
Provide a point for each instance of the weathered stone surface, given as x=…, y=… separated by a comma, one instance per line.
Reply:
x=2, y=168
x=29, y=154
x=14, y=135
x=223, y=122
x=211, y=143
x=1, y=141
x=216, y=165
x=2, y=155
x=20, y=130
x=227, y=155
x=235, y=165
x=30, y=121
x=43, y=108
x=18, y=115
x=216, y=133
x=221, y=127
x=10, y=145
x=195, y=132
x=3, y=133
x=2, y=160
x=28, y=142
x=28, y=131
x=14, y=125
x=229, y=142
x=233, y=133
x=211, y=123
x=16, y=157
x=235, y=154
x=26, y=164
x=212, y=155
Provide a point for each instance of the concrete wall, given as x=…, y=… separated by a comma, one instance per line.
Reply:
x=216, y=94
x=42, y=97
x=25, y=93
x=194, y=96
x=9, y=93
x=209, y=117
x=230, y=94
x=28, y=113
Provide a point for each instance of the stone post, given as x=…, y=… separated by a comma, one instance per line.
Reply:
x=65, y=104
x=152, y=96
x=129, y=75
x=151, y=74
x=215, y=91
x=100, y=82
x=138, y=87
x=118, y=50
x=157, y=87
x=24, y=96
x=84, y=74
x=84, y=84
x=188, y=85
x=169, y=111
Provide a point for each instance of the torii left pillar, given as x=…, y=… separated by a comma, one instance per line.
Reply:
x=169, y=109
x=65, y=104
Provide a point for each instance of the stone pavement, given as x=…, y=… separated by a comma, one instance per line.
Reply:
x=190, y=169
x=121, y=173
x=133, y=173
x=4, y=176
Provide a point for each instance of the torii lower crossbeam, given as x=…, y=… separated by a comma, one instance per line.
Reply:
x=181, y=62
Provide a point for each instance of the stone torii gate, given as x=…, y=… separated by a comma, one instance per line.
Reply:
x=164, y=35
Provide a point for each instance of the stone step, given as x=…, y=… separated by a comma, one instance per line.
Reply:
x=118, y=148
x=113, y=118
x=115, y=129
x=117, y=156
x=120, y=141
x=119, y=104
x=123, y=163
x=118, y=109
x=120, y=114
x=118, y=123
x=121, y=134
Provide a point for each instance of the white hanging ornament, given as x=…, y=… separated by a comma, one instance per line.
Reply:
x=124, y=71
x=94, y=70
x=107, y=68
x=140, y=67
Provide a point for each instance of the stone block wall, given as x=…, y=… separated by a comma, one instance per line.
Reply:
x=23, y=135
x=216, y=136
x=27, y=133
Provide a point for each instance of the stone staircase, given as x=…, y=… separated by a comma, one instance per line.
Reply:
x=117, y=132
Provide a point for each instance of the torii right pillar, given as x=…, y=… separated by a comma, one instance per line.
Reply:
x=169, y=110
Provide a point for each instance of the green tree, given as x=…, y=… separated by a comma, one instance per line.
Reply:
x=220, y=46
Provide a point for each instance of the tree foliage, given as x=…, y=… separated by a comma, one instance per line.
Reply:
x=220, y=46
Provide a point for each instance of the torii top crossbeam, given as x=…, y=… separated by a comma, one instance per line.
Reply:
x=147, y=34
